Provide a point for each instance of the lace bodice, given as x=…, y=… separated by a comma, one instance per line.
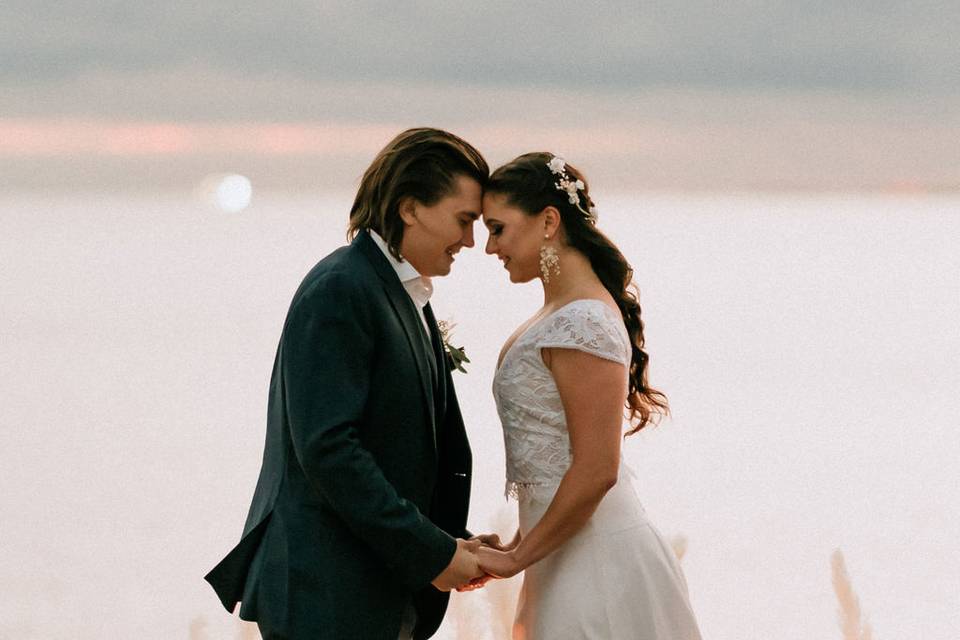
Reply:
x=534, y=424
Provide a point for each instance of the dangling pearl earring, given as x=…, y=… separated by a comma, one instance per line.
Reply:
x=549, y=261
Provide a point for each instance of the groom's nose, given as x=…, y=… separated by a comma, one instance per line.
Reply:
x=467, y=239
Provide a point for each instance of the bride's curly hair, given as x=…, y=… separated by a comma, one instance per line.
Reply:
x=528, y=184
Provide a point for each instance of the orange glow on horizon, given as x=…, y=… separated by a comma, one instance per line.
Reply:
x=52, y=138
x=773, y=154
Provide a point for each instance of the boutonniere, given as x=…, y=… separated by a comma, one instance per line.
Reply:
x=456, y=355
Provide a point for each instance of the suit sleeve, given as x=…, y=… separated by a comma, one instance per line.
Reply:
x=327, y=355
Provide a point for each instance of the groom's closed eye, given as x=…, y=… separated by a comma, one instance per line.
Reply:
x=468, y=217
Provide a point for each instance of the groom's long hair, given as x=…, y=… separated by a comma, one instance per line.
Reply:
x=529, y=185
x=420, y=163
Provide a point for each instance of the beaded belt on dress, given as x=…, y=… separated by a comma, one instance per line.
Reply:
x=525, y=490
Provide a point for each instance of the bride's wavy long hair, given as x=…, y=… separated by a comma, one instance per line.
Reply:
x=528, y=184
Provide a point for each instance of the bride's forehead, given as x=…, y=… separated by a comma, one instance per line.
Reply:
x=494, y=198
x=497, y=206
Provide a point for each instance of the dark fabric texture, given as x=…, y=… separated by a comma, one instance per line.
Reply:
x=365, y=480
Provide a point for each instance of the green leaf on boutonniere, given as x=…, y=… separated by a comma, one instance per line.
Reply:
x=457, y=357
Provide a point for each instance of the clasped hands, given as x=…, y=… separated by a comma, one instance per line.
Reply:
x=475, y=562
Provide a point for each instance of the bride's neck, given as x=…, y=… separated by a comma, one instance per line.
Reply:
x=575, y=274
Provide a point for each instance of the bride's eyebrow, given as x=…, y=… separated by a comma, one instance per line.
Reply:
x=490, y=221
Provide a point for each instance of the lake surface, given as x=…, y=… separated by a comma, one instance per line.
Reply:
x=809, y=345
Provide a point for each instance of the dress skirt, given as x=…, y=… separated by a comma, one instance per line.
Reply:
x=616, y=579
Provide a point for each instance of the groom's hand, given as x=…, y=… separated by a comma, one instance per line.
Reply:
x=462, y=568
x=487, y=540
x=476, y=583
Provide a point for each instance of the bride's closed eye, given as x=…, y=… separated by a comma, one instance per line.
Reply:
x=495, y=229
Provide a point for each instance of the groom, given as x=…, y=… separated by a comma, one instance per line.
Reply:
x=357, y=526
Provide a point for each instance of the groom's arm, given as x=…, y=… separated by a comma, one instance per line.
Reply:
x=327, y=353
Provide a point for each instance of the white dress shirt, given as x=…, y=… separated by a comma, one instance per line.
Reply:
x=418, y=287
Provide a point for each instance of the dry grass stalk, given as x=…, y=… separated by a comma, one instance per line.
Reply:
x=679, y=545
x=247, y=630
x=849, y=615
x=469, y=623
x=198, y=628
x=503, y=594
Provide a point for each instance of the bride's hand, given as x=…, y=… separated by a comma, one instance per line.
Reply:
x=490, y=540
x=499, y=564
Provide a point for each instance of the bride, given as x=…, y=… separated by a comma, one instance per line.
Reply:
x=594, y=565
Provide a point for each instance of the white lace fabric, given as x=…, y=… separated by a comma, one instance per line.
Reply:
x=528, y=402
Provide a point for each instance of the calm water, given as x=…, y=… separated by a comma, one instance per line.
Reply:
x=809, y=345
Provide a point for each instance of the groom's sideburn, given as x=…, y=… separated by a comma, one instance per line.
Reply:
x=365, y=480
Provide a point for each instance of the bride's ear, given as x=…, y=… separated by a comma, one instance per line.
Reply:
x=551, y=220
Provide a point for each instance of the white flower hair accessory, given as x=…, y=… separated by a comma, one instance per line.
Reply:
x=565, y=183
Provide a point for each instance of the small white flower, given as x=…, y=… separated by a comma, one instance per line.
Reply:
x=557, y=165
x=570, y=189
x=580, y=184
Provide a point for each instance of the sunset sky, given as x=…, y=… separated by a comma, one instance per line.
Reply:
x=773, y=95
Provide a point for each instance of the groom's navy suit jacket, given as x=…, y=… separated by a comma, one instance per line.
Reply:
x=365, y=479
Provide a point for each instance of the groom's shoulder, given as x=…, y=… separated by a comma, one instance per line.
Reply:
x=341, y=275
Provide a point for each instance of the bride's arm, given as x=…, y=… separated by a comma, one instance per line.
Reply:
x=513, y=543
x=592, y=391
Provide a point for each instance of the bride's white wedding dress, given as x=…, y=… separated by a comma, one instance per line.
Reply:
x=617, y=578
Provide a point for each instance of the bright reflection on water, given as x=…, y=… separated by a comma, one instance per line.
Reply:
x=233, y=193
x=230, y=193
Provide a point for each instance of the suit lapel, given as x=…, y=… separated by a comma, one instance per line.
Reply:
x=441, y=359
x=409, y=319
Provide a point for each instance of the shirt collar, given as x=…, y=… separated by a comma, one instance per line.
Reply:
x=419, y=287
